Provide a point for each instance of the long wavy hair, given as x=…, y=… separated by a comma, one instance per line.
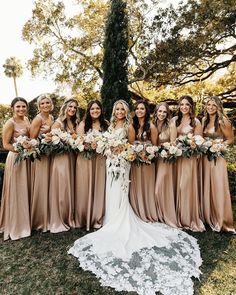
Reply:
x=63, y=112
x=146, y=127
x=219, y=115
x=44, y=96
x=191, y=113
x=127, y=117
x=166, y=120
x=88, y=121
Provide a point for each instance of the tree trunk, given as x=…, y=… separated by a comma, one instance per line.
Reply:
x=16, y=92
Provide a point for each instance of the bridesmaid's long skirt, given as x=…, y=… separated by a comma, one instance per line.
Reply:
x=15, y=211
x=142, y=192
x=188, y=194
x=164, y=193
x=216, y=202
x=61, y=193
x=90, y=186
x=40, y=177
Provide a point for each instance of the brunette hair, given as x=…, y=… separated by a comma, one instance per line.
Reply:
x=146, y=126
x=191, y=114
x=88, y=121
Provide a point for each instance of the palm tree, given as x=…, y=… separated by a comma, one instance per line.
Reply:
x=13, y=69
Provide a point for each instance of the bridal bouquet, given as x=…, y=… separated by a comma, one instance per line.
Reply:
x=169, y=152
x=55, y=142
x=215, y=148
x=191, y=145
x=76, y=143
x=26, y=148
x=145, y=153
x=94, y=143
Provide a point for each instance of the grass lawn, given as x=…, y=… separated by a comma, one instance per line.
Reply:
x=40, y=265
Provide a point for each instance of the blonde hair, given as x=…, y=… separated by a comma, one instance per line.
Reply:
x=63, y=112
x=44, y=96
x=127, y=117
x=168, y=117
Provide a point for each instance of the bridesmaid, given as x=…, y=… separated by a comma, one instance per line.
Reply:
x=90, y=175
x=216, y=203
x=142, y=186
x=164, y=190
x=61, y=188
x=14, y=214
x=188, y=188
x=40, y=176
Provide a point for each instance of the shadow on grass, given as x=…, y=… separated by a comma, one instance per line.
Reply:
x=40, y=265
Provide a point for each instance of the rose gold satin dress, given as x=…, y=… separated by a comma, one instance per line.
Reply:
x=40, y=176
x=90, y=187
x=61, y=192
x=164, y=190
x=216, y=201
x=15, y=211
x=142, y=191
x=188, y=189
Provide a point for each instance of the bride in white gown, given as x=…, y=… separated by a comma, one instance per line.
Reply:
x=131, y=255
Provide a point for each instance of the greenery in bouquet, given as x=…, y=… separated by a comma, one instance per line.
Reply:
x=26, y=148
x=169, y=152
x=191, y=145
x=216, y=148
x=145, y=153
x=55, y=142
x=94, y=143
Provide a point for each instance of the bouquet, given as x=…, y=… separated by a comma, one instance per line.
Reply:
x=26, y=148
x=191, y=145
x=56, y=142
x=94, y=143
x=119, y=153
x=215, y=148
x=76, y=143
x=169, y=152
x=145, y=153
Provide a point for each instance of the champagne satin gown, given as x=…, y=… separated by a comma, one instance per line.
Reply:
x=142, y=190
x=15, y=210
x=165, y=186
x=216, y=201
x=40, y=177
x=61, y=191
x=188, y=189
x=90, y=186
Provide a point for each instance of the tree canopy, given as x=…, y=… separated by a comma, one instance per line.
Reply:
x=167, y=46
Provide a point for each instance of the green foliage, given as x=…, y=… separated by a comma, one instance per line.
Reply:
x=13, y=67
x=231, y=166
x=115, y=80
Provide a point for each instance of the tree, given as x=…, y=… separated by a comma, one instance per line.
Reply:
x=13, y=69
x=191, y=43
x=115, y=79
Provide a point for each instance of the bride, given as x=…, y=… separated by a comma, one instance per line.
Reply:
x=129, y=254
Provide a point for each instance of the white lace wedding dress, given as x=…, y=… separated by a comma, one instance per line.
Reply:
x=130, y=255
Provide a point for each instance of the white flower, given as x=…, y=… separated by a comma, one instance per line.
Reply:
x=199, y=139
x=163, y=154
x=55, y=139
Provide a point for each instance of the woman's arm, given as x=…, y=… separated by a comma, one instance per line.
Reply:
x=154, y=134
x=80, y=128
x=131, y=134
x=173, y=130
x=198, y=128
x=35, y=127
x=227, y=130
x=56, y=125
x=7, y=134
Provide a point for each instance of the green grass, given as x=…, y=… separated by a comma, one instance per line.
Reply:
x=40, y=265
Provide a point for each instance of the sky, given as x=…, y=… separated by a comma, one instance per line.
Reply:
x=13, y=15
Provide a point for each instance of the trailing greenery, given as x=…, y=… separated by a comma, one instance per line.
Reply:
x=115, y=79
x=40, y=265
